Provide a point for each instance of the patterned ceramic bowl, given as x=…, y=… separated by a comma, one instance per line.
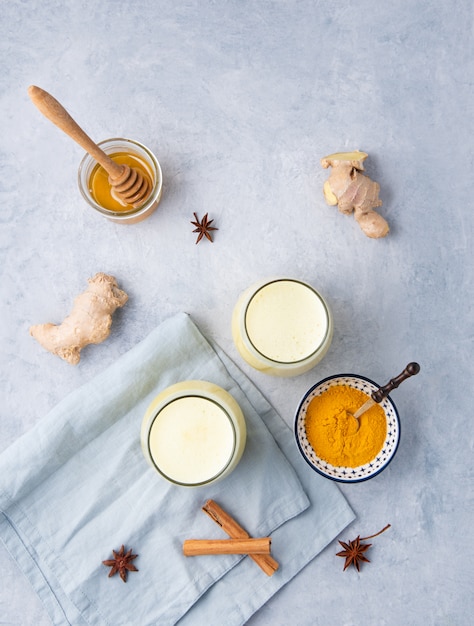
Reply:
x=348, y=474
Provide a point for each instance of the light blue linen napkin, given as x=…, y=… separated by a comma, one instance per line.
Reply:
x=77, y=486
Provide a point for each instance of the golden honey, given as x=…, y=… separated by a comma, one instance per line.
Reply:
x=94, y=184
x=99, y=186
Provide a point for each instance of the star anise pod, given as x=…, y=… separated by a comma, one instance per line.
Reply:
x=121, y=563
x=354, y=550
x=203, y=227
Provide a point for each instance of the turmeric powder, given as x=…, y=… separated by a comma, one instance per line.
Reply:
x=332, y=430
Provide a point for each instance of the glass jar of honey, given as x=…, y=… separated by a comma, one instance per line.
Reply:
x=96, y=190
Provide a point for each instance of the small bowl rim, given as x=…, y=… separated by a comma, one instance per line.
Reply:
x=319, y=470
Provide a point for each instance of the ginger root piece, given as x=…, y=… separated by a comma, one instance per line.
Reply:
x=89, y=321
x=354, y=192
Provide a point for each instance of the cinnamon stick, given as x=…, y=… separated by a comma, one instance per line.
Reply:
x=266, y=562
x=196, y=547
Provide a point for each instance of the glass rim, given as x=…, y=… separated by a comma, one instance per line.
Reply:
x=218, y=474
x=323, y=341
x=133, y=212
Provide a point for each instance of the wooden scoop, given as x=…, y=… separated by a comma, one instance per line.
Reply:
x=379, y=394
x=128, y=184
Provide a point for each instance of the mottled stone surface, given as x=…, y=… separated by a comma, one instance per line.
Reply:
x=239, y=101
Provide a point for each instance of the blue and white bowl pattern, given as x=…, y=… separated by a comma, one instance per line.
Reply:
x=348, y=474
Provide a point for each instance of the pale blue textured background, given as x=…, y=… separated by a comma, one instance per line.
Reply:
x=239, y=101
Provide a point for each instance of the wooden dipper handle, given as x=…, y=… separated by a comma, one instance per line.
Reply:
x=57, y=114
x=410, y=370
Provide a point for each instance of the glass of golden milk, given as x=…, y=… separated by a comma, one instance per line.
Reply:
x=96, y=190
x=193, y=433
x=282, y=326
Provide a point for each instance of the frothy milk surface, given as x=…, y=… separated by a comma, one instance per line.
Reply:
x=286, y=321
x=191, y=440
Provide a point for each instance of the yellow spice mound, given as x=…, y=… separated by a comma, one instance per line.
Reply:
x=332, y=430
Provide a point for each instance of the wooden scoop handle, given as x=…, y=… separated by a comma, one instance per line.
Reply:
x=410, y=370
x=57, y=114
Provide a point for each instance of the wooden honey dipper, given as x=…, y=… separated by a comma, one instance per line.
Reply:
x=128, y=184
